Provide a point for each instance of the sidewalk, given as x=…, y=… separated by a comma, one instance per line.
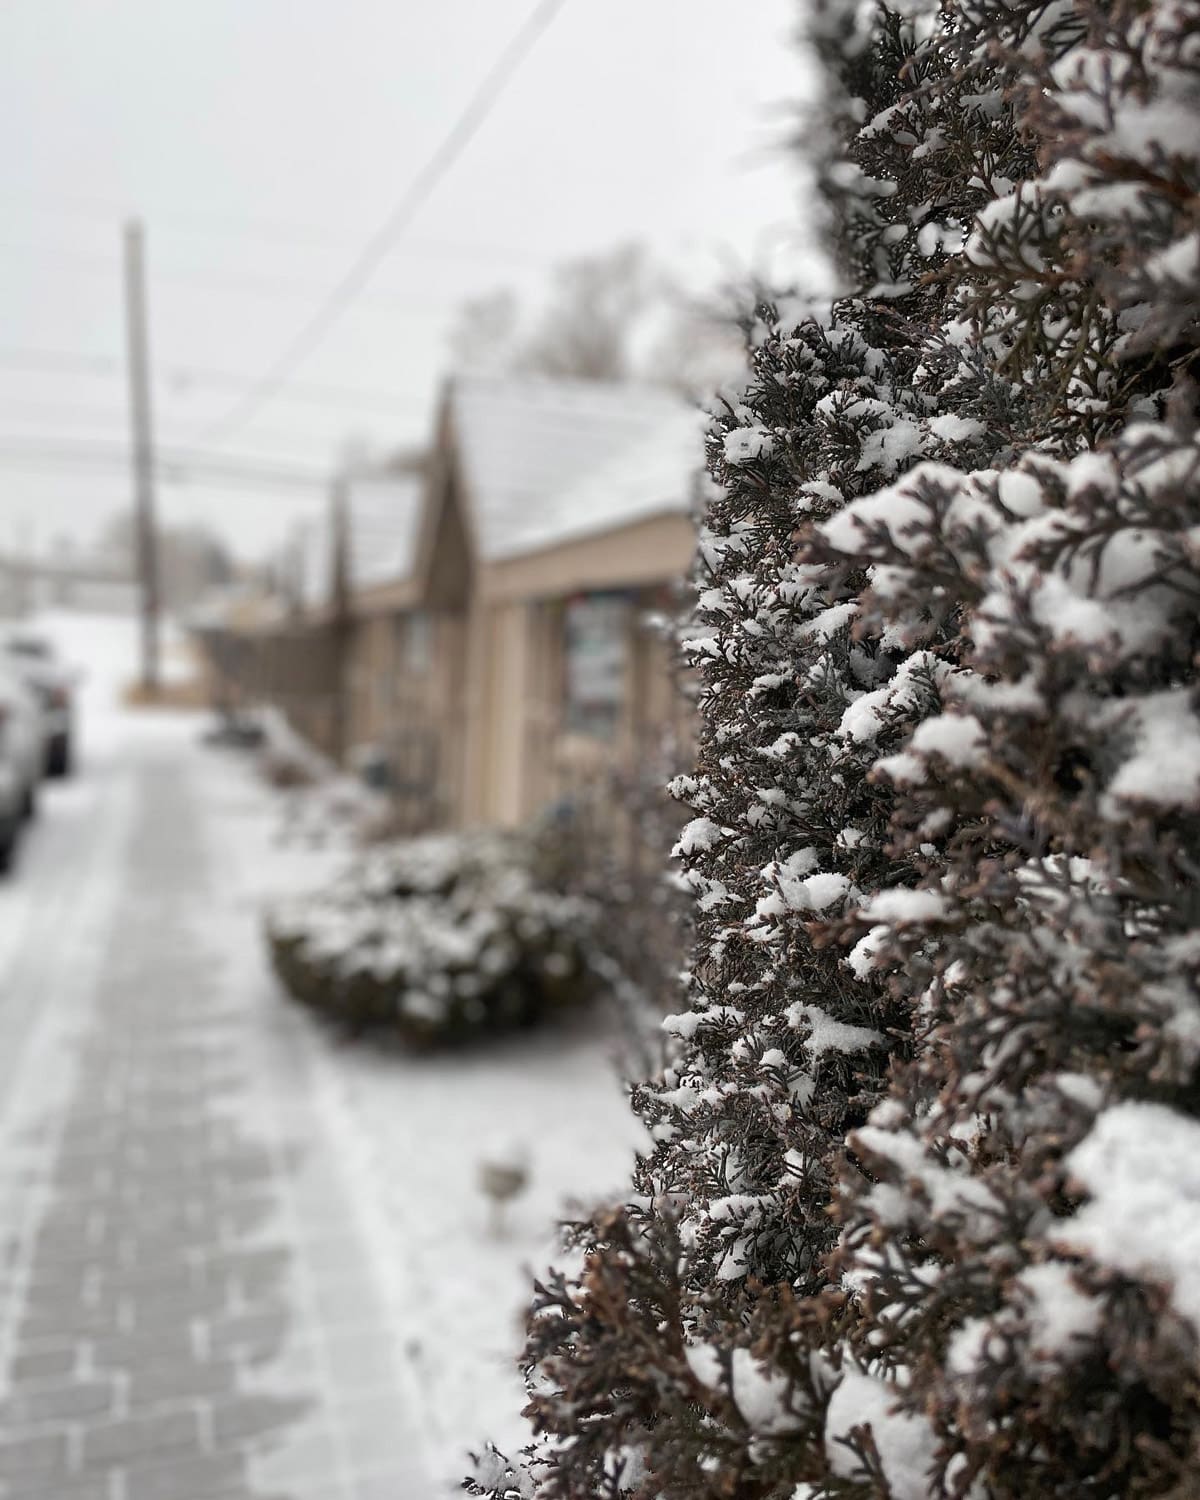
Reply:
x=190, y=1306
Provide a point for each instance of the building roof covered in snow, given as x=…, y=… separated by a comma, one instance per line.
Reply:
x=383, y=520
x=547, y=459
x=654, y=476
x=310, y=563
x=538, y=462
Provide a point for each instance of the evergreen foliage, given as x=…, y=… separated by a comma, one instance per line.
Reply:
x=922, y=1214
x=437, y=940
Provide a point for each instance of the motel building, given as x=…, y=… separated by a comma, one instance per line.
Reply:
x=478, y=632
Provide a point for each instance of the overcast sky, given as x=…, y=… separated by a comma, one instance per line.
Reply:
x=263, y=142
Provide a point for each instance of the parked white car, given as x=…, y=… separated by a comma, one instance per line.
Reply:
x=22, y=756
x=52, y=684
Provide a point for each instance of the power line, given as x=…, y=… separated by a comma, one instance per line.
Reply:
x=33, y=469
x=106, y=416
x=50, y=361
x=237, y=283
x=114, y=420
x=304, y=391
x=461, y=133
x=177, y=463
x=299, y=236
x=106, y=210
x=53, y=359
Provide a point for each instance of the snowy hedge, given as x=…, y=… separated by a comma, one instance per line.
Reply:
x=436, y=940
x=922, y=1217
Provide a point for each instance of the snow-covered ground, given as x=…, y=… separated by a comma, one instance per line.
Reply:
x=105, y=649
x=408, y=1133
x=413, y=1132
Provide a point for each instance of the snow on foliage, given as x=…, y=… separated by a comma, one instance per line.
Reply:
x=947, y=799
x=1140, y=1164
x=903, y=1441
x=435, y=939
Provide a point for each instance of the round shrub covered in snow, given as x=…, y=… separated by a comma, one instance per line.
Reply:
x=435, y=939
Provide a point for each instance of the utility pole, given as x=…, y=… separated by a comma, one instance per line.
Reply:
x=340, y=629
x=142, y=432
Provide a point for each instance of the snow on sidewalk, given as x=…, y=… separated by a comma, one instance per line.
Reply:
x=410, y=1133
x=182, y=1273
x=238, y=1257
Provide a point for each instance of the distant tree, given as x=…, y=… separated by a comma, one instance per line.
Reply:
x=589, y=326
x=611, y=316
x=484, y=336
x=920, y=1219
x=697, y=345
x=192, y=558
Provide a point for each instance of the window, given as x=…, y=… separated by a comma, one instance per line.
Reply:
x=414, y=641
x=596, y=654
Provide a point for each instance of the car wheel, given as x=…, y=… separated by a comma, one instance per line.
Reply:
x=29, y=803
x=58, y=761
x=8, y=848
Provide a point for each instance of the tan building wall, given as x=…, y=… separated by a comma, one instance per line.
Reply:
x=460, y=676
x=297, y=670
x=405, y=673
x=524, y=753
x=656, y=550
x=370, y=674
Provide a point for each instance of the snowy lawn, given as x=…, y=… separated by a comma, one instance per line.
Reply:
x=459, y=1291
x=413, y=1132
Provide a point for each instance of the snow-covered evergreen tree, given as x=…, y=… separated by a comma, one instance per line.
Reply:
x=923, y=1215
x=1023, y=1225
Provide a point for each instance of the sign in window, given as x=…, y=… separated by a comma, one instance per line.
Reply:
x=414, y=638
x=596, y=660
